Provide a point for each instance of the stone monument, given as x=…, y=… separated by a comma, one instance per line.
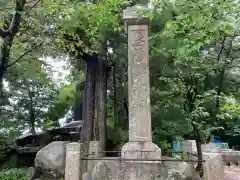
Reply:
x=140, y=157
x=140, y=145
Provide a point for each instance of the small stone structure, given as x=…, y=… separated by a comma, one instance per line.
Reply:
x=72, y=168
x=94, y=151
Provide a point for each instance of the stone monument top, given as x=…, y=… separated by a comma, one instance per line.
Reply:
x=136, y=15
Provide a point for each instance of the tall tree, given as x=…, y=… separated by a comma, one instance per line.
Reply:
x=32, y=94
x=9, y=29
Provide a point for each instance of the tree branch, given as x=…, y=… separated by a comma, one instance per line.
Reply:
x=15, y=22
x=221, y=49
x=14, y=26
x=22, y=56
x=34, y=4
x=3, y=33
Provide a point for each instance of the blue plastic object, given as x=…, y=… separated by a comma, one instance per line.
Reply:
x=176, y=146
x=220, y=143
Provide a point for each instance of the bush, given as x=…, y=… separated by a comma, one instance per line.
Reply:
x=13, y=174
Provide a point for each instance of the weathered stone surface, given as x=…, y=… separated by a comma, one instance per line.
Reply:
x=140, y=144
x=72, y=168
x=120, y=170
x=141, y=150
x=213, y=167
x=94, y=150
x=134, y=15
x=231, y=156
x=139, y=88
x=117, y=169
x=51, y=158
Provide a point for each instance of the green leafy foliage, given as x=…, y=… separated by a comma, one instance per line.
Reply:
x=87, y=26
x=13, y=174
x=67, y=94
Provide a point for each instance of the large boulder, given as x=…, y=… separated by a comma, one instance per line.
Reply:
x=50, y=161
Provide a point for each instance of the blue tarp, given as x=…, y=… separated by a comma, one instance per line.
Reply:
x=215, y=140
x=219, y=142
x=176, y=146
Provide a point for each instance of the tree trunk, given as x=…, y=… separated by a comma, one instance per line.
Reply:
x=199, y=167
x=96, y=108
x=219, y=90
x=88, y=103
x=4, y=59
x=222, y=72
x=115, y=115
x=101, y=105
x=125, y=103
x=31, y=111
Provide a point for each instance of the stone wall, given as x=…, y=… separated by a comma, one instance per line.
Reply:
x=231, y=157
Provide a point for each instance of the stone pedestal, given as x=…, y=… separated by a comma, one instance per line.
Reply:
x=72, y=167
x=140, y=152
x=110, y=169
x=140, y=144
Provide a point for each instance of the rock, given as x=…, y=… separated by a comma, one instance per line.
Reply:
x=50, y=160
x=30, y=172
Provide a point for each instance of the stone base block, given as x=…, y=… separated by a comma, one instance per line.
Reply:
x=144, y=151
x=117, y=169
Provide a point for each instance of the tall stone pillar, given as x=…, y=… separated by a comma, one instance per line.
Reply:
x=140, y=131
